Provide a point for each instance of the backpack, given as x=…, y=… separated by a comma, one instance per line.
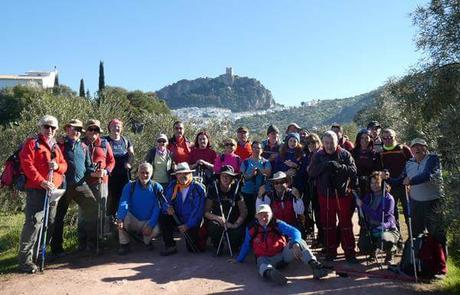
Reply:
x=11, y=170
x=430, y=258
x=12, y=176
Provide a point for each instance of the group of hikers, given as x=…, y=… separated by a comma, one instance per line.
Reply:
x=261, y=196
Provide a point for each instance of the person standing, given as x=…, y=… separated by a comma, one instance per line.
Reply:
x=394, y=158
x=123, y=151
x=366, y=159
x=161, y=159
x=44, y=166
x=103, y=162
x=334, y=169
x=343, y=140
x=422, y=175
x=243, y=145
x=374, y=129
x=202, y=157
x=179, y=145
x=255, y=170
x=271, y=146
x=76, y=154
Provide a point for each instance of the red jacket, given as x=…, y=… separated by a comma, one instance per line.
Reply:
x=268, y=243
x=180, y=149
x=101, y=151
x=34, y=158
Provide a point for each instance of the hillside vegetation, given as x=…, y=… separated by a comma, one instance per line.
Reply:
x=315, y=116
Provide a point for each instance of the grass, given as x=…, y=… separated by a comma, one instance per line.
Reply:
x=451, y=284
x=10, y=231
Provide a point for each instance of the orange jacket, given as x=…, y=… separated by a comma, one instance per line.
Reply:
x=34, y=158
x=244, y=151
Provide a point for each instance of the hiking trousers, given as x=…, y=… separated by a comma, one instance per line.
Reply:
x=330, y=208
x=87, y=213
x=265, y=263
x=132, y=224
x=34, y=218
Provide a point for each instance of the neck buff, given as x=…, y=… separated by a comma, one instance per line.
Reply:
x=389, y=147
x=180, y=187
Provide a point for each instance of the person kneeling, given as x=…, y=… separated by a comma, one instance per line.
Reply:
x=139, y=209
x=380, y=222
x=267, y=238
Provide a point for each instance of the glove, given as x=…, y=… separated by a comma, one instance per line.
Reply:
x=334, y=166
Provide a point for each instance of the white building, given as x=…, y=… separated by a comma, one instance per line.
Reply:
x=31, y=78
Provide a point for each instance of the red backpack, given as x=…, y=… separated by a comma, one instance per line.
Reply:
x=11, y=171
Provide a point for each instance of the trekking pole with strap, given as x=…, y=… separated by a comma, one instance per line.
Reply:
x=409, y=217
x=363, y=221
x=225, y=232
x=41, y=244
x=100, y=215
x=384, y=192
x=178, y=222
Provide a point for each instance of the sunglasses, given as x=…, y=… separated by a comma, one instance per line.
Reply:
x=77, y=129
x=48, y=127
x=229, y=144
x=387, y=138
x=161, y=141
x=93, y=129
x=278, y=182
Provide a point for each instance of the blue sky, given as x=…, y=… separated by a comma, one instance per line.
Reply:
x=300, y=50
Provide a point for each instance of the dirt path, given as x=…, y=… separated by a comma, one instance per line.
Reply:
x=146, y=272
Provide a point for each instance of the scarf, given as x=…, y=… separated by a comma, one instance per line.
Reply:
x=180, y=187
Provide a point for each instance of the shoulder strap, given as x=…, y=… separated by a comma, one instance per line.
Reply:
x=132, y=188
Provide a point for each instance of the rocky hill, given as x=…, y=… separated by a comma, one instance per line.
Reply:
x=225, y=91
x=314, y=114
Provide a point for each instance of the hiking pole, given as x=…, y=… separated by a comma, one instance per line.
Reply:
x=44, y=225
x=363, y=221
x=178, y=222
x=409, y=217
x=225, y=232
x=99, y=221
x=384, y=192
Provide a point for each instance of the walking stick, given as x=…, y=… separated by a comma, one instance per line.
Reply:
x=409, y=215
x=100, y=215
x=225, y=232
x=41, y=242
x=178, y=222
x=363, y=221
x=384, y=192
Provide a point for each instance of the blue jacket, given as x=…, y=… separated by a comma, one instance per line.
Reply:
x=142, y=203
x=191, y=211
x=285, y=229
x=76, y=154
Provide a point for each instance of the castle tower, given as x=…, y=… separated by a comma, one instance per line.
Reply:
x=229, y=78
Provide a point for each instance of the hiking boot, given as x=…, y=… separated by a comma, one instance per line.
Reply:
x=389, y=258
x=318, y=270
x=352, y=260
x=169, y=251
x=123, y=249
x=275, y=276
x=29, y=268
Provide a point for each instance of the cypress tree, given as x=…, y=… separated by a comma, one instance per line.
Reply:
x=82, y=88
x=56, y=81
x=101, y=76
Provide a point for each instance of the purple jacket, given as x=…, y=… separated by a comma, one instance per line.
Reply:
x=374, y=215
